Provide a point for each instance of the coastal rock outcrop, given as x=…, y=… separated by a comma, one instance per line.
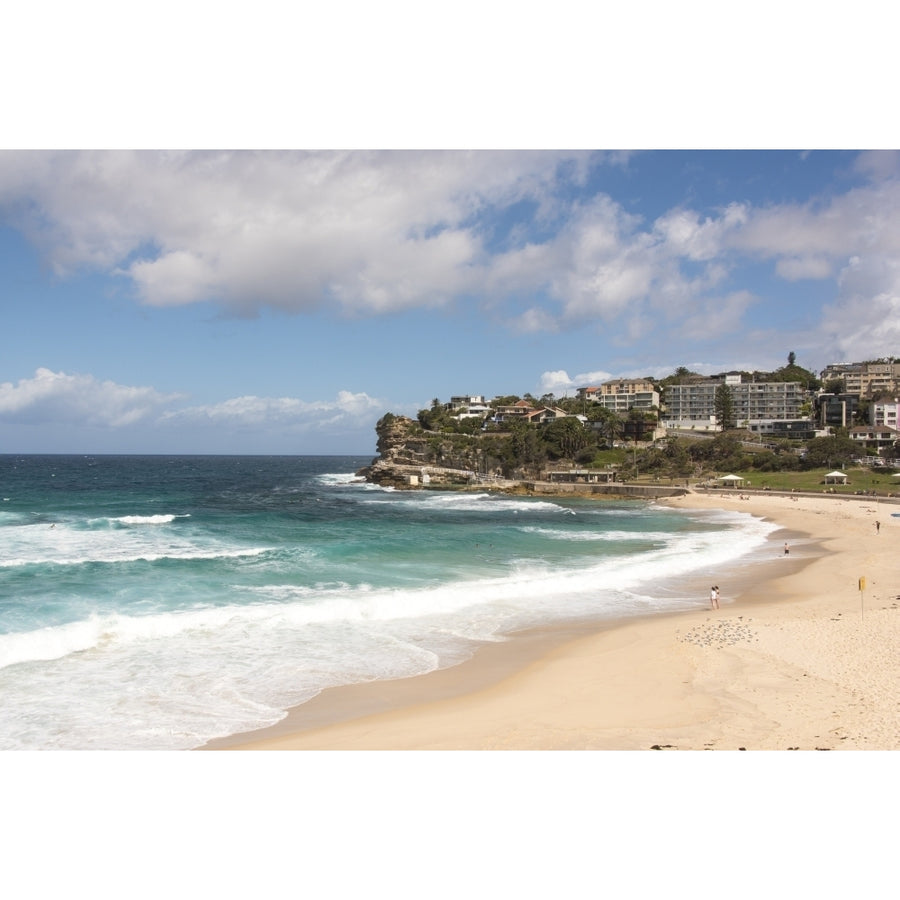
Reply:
x=410, y=457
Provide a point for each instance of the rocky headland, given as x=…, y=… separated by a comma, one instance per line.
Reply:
x=412, y=458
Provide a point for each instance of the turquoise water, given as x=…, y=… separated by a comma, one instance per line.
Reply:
x=157, y=602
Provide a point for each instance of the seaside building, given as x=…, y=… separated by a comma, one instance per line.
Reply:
x=874, y=437
x=466, y=400
x=884, y=413
x=836, y=410
x=756, y=404
x=865, y=378
x=621, y=395
x=691, y=404
x=550, y=414
x=758, y=401
x=469, y=406
x=581, y=476
x=521, y=409
x=789, y=429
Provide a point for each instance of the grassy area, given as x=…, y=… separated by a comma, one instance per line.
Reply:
x=858, y=479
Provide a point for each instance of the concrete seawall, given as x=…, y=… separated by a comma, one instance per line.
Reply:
x=625, y=491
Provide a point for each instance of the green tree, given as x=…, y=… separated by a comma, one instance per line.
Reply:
x=566, y=438
x=724, y=407
x=524, y=447
x=435, y=418
x=606, y=424
x=831, y=451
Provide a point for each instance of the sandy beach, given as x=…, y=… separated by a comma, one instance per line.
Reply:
x=796, y=658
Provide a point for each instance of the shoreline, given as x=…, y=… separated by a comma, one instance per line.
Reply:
x=795, y=659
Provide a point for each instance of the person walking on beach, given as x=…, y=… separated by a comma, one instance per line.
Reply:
x=714, y=598
x=787, y=549
x=877, y=527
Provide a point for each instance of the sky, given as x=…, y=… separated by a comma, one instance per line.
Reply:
x=282, y=300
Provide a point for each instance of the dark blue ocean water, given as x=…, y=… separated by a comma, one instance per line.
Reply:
x=157, y=602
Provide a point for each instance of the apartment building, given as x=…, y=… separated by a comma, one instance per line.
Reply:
x=865, y=378
x=767, y=400
x=884, y=414
x=693, y=404
x=836, y=410
x=622, y=394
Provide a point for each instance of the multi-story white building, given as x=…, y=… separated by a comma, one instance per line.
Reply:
x=884, y=413
x=469, y=406
x=693, y=405
x=464, y=400
x=622, y=394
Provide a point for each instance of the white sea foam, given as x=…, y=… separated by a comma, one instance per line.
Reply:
x=148, y=520
x=340, y=479
x=71, y=545
x=530, y=591
x=605, y=536
x=470, y=502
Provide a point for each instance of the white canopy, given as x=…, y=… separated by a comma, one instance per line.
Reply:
x=835, y=476
x=731, y=479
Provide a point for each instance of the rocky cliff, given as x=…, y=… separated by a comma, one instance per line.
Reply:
x=410, y=457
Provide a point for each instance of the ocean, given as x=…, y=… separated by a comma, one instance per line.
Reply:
x=157, y=602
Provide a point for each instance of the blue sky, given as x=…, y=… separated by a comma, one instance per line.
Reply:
x=282, y=301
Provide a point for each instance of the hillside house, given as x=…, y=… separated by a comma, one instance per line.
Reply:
x=874, y=437
x=519, y=410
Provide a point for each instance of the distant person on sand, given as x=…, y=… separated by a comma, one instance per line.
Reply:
x=786, y=549
x=877, y=527
x=714, y=598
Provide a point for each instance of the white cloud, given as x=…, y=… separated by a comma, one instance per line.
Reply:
x=685, y=235
x=371, y=231
x=714, y=316
x=797, y=268
x=77, y=399
x=559, y=382
x=865, y=321
x=288, y=413
x=535, y=321
x=879, y=163
x=555, y=382
x=73, y=401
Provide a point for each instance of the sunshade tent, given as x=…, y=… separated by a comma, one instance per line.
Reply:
x=732, y=480
x=835, y=478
